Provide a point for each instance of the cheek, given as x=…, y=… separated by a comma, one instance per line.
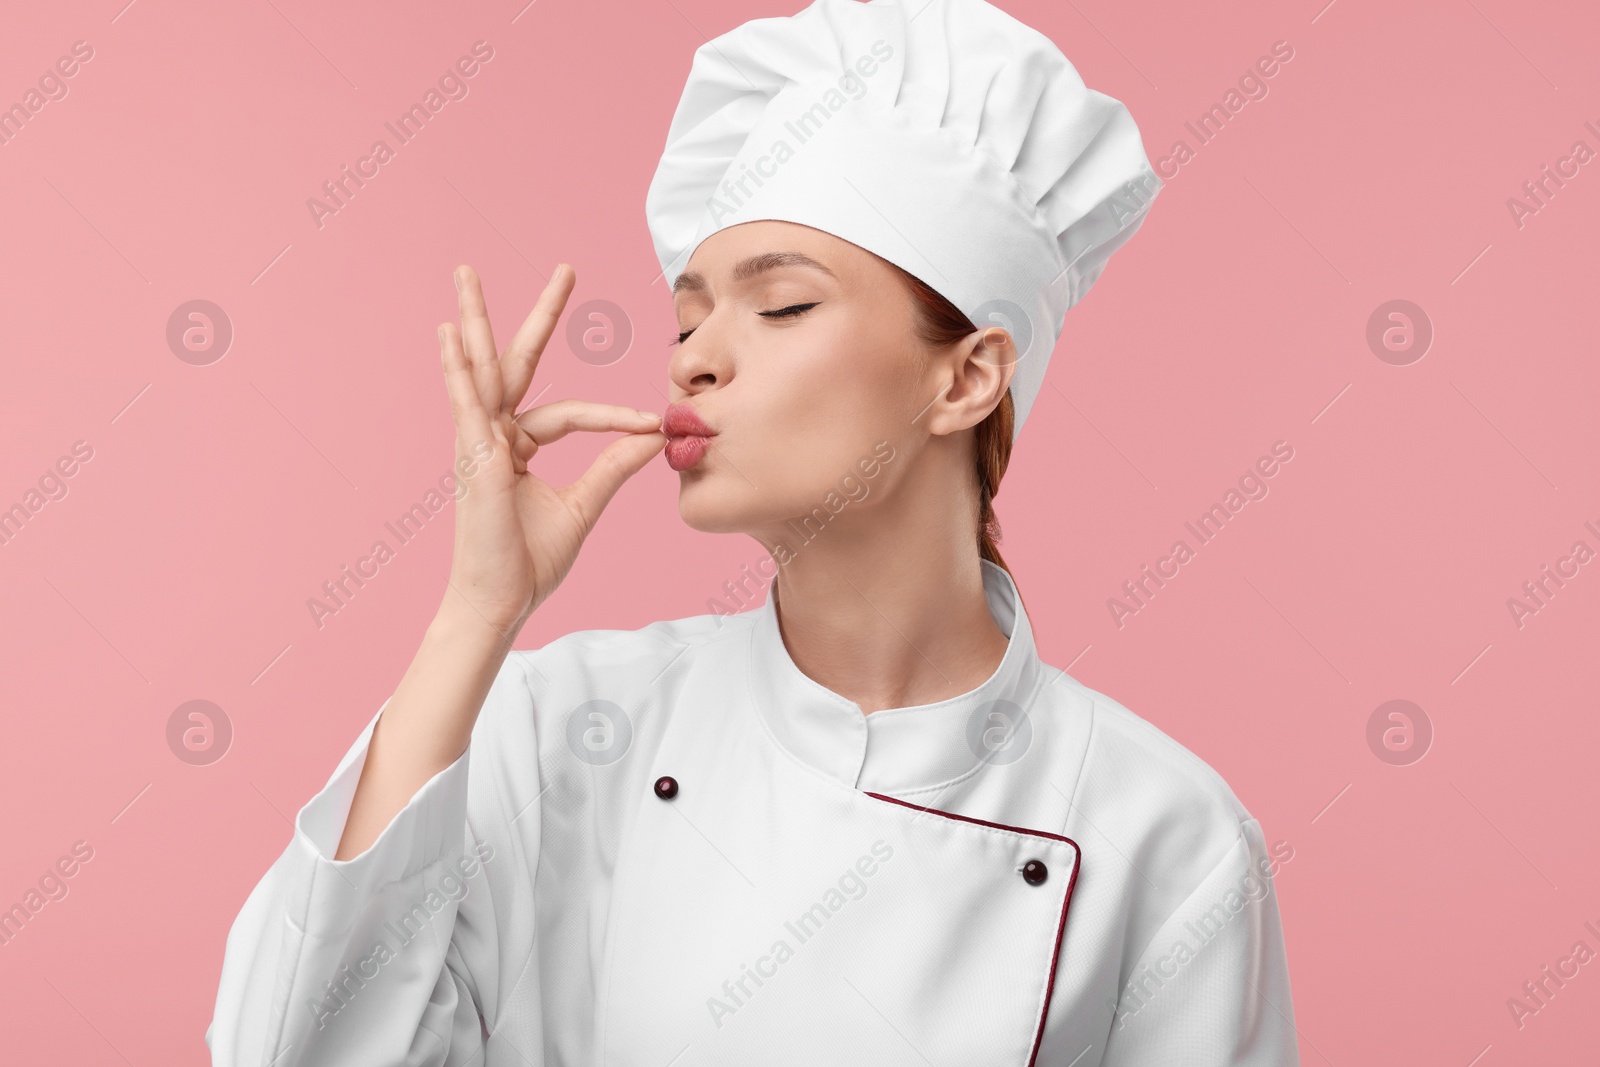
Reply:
x=821, y=410
x=844, y=385
x=803, y=414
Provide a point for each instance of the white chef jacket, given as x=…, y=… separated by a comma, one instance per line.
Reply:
x=1027, y=874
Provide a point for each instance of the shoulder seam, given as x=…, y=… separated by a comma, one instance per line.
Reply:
x=1088, y=744
x=1232, y=844
x=1201, y=772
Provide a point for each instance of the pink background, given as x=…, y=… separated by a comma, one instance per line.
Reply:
x=220, y=497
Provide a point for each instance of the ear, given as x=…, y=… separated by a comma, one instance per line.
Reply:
x=980, y=368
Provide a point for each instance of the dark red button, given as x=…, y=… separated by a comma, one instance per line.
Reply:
x=1034, y=872
x=667, y=788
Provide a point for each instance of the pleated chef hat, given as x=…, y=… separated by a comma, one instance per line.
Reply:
x=942, y=135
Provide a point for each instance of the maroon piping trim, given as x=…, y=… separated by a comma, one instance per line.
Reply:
x=1066, y=904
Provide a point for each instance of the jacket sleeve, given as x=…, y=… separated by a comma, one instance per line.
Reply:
x=391, y=957
x=1212, y=987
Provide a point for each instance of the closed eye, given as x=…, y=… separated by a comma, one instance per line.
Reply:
x=791, y=310
x=781, y=313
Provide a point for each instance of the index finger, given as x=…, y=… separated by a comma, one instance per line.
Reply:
x=521, y=356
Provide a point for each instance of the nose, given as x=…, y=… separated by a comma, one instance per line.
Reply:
x=702, y=361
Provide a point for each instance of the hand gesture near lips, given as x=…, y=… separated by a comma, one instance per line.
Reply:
x=517, y=535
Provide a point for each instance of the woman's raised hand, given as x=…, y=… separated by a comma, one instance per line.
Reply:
x=516, y=535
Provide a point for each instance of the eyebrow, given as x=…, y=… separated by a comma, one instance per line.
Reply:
x=692, y=282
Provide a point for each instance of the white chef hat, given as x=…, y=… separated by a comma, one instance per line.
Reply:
x=942, y=135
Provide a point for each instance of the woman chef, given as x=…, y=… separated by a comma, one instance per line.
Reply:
x=861, y=823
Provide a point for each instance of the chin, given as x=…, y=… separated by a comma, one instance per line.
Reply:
x=705, y=503
x=723, y=502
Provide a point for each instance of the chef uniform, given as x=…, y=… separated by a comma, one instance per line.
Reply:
x=669, y=846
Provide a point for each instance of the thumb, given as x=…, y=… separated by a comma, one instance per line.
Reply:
x=620, y=460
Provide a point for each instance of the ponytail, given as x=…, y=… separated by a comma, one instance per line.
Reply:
x=940, y=323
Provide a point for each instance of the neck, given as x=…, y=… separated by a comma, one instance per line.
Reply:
x=886, y=607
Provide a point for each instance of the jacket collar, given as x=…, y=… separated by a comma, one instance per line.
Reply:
x=896, y=749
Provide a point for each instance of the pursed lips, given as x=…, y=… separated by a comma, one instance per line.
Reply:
x=687, y=436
